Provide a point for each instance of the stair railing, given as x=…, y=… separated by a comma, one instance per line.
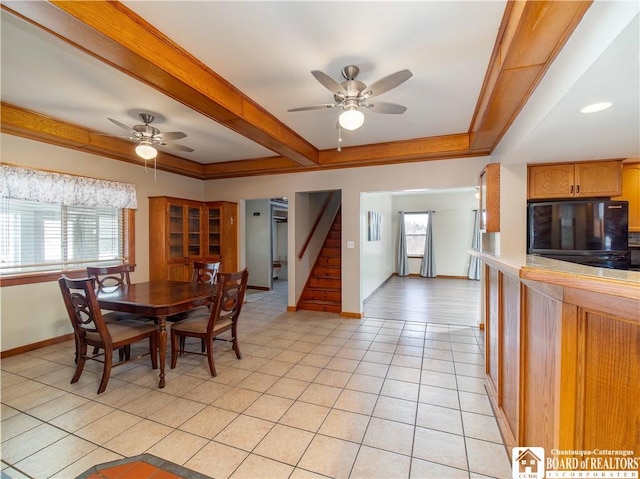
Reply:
x=315, y=225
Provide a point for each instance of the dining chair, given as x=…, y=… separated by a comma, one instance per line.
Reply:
x=109, y=278
x=205, y=272
x=202, y=273
x=230, y=289
x=91, y=329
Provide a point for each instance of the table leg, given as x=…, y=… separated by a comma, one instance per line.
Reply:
x=162, y=346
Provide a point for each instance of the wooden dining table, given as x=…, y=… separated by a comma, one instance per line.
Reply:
x=157, y=299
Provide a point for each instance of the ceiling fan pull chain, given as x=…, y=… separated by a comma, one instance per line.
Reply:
x=339, y=138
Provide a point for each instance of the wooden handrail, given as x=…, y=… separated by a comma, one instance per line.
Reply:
x=315, y=225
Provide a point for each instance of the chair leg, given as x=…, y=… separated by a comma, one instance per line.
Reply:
x=174, y=348
x=81, y=355
x=212, y=366
x=106, y=371
x=202, y=346
x=236, y=348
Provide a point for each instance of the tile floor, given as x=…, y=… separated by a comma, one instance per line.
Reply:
x=315, y=395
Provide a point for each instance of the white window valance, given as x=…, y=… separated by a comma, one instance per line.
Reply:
x=56, y=188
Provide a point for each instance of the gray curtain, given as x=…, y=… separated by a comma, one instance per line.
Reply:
x=428, y=265
x=474, y=263
x=403, y=262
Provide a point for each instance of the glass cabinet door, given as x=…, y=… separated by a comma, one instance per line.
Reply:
x=193, y=231
x=213, y=245
x=176, y=231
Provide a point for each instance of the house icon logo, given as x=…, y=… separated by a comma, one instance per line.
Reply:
x=527, y=463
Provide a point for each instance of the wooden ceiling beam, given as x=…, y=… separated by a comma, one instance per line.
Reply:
x=27, y=124
x=531, y=35
x=116, y=35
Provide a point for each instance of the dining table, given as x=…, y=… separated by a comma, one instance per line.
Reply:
x=157, y=300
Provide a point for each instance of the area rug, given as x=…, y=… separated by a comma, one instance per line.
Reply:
x=144, y=466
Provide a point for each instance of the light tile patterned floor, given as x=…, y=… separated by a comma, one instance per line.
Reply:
x=315, y=395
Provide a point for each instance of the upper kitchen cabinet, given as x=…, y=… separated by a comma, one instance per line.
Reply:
x=183, y=231
x=588, y=179
x=631, y=193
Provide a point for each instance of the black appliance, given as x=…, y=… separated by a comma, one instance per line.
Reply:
x=590, y=232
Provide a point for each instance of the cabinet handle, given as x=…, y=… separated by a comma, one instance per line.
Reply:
x=578, y=189
x=571, y=191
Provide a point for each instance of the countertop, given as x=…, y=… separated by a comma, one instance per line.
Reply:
x=616, y=282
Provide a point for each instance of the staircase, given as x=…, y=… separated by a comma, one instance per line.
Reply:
x=323, y=291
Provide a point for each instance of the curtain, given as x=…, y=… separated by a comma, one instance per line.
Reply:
x=474, y=262
x=56, y=188
x=403, y=262
x=428, y=265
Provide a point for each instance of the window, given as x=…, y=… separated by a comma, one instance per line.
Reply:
x=52, y=222
x=44, y=237
x=415, y=225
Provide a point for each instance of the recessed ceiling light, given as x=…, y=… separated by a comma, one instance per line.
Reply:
x=596, y=107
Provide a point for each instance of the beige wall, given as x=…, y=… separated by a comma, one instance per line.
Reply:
x=25, y=321
x=35, y=312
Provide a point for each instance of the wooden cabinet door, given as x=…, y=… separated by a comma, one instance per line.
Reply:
x=551, y=181
x=598, y=178
x=631, y=193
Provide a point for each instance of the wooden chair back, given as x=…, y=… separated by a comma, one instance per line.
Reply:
x=230, y=291
x=84, y=311
x=111, y=277
x=205, y=272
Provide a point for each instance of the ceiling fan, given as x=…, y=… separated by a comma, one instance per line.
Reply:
x=354, y=96
x=149, y=137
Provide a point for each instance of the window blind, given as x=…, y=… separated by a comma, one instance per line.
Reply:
x=45, y=237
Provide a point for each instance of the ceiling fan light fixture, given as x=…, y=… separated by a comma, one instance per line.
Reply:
x=146, y=151
x=351, y=118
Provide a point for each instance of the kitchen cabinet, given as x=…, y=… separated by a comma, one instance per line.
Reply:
x=588, y=179
x=183, y=231
x=562, y=361
x=631, y=193
x=490, y=198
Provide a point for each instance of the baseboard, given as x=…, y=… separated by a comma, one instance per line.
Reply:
x=345, y=314
x=292, y=309
x=260, y=288
x=33, y=346
x=378, y=288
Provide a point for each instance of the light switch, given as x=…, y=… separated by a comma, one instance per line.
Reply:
x=351, y=244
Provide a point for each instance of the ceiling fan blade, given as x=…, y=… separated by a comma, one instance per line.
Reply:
x=329, y=83
x=175, y=146
x=172, y=135
x=382, y=107
x=385, y=84
x=315, y=107
x=121, y=125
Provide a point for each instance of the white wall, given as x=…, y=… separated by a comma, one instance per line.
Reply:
x=452, y=227
x=376, y=257
x=35, y=312
x=352, y=182
x=258, y=241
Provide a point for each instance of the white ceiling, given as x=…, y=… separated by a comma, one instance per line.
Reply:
x=267, y=50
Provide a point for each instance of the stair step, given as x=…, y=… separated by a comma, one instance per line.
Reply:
x=330, y=283
x=326, y=272
x=334, y=234
x=334, y=296
x=329, y=260
x=318, y=305
x=333, y=243
x=332, y=252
